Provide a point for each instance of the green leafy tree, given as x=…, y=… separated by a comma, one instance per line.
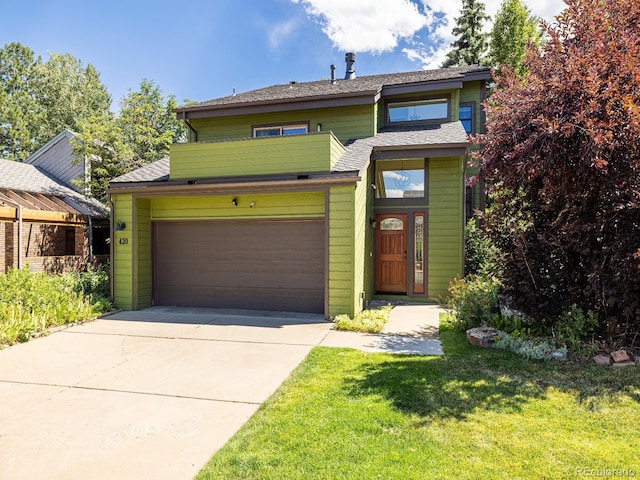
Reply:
x=471, y=43
x=70, y=92
x=20, y=111
x=514, y=27
x=561, y=161
x=100, y=143
x=147, y=123
x=141, y=134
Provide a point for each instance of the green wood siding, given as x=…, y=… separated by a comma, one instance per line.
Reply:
x=123, y=252
x=455, y=105
x=357, y=121
x=284, y=205
x=445, y=223
x=361, y=224
x=142, y=245
x=256, y=156
x=369, y=245
x=341, y=250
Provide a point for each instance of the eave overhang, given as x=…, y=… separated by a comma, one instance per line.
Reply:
x=282, y=105
x=232, y=185
x=420, y=87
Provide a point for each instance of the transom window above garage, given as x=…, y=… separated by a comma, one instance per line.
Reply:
x=280, y=130
x=429, y=110
x=400, y=179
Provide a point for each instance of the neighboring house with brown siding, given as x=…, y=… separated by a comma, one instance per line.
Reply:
x=45, y=221
x=311, y=197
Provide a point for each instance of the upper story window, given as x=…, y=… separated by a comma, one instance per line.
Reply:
x=466, y=115
x=434, y=109
x=280, y=130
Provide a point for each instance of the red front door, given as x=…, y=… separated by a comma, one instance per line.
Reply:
x=391, y=253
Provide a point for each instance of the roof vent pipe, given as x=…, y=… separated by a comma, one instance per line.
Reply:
x=350, y=58
x=333, y=74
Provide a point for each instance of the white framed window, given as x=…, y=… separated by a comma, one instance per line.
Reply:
x=280, y=130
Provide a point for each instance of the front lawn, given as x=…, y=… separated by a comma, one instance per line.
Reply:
x=470, y=414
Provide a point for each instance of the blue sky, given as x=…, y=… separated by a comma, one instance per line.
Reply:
x=203, y=49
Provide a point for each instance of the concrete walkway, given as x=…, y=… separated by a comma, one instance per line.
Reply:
x=153, y=394
x=411, y=330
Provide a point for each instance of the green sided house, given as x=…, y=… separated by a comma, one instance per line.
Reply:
x=306, y=197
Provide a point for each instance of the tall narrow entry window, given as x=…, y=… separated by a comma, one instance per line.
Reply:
x=418, y=279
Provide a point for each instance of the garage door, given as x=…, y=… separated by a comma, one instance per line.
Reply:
x=255, y=264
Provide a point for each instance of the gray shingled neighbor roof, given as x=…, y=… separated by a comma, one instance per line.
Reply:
x=359, y=151
x=324, y=88
x=29, y=178
x=154, y=172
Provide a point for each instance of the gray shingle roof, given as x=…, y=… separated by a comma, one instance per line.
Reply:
x=154, y=172
x=359, y=151
x=29, y=178
x=324, y=88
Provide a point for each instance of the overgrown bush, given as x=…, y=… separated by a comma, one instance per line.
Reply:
x=561, y=160
x=368, y=321
x=481, y=255
x=93, y=283
x=574, y=326
x=33, y=302
x=474, y=300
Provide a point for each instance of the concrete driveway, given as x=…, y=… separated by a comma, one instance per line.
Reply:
x=137, y=395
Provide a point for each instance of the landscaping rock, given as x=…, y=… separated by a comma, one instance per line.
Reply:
x=620, y=356
x=602, y=359
x=628, y=363
x=559, y=356
x=482, y=336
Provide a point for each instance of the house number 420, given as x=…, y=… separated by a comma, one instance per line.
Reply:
x=123, y=241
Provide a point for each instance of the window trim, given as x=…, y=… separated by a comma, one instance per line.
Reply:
x=390, y=102
x=401, y=202
x=281, y=126
x=473, y=115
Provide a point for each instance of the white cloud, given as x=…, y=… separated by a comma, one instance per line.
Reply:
x=443, y=34
x=279, y=33
x=366, y=25
x=377, y=26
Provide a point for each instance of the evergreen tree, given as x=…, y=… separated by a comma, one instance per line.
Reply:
x=513, y=29
x=20, y=111
x=471, y=43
